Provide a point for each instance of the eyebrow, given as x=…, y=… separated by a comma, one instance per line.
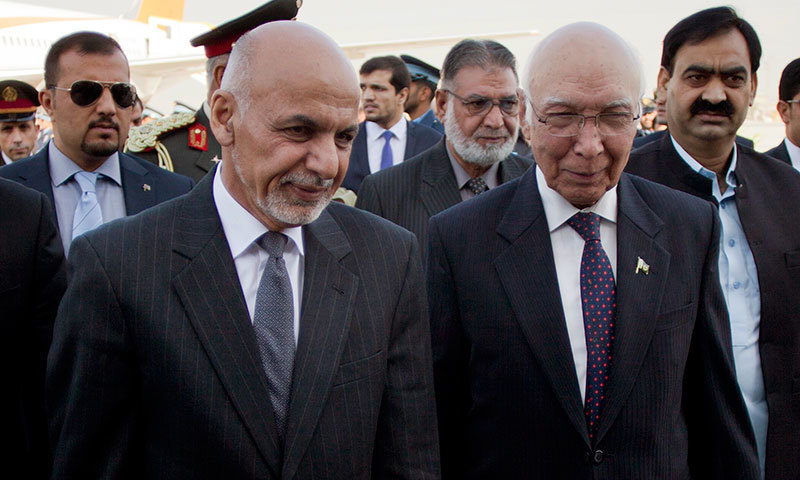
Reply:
x=708, y=70
x=303, y=120
x=550, y=102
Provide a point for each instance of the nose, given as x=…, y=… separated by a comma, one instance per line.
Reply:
x=368, y=94
x=105, y=104
x=588, y=143
x=714, y=91
x=493, y=118
x=16, y=136
x=323, y=157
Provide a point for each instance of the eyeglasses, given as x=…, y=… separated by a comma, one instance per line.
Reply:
x=85, y=92
x=570, y=124
x=792, y=101
x=478, y=105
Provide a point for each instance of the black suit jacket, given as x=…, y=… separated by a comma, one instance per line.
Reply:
x=32, y=280
x=508, y=399
x=418, y=139
x=144, y=185
x=154, y=370
x=193, y=162
x=767, y=200
x=411, y=193
x=645, y=139
x=780, y=153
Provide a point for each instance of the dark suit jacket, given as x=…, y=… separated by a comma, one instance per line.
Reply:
x=34, y=172
x=154, y=370
x=508, y=399
x=780, y=153
x=411, y=193
x=418, y=139
x=767, y=199
x=32, y=280
x=195, y=163
x=644, y=140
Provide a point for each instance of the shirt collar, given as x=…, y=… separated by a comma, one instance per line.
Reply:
x=62, y=168
x=558, y=210
x=462, y=177
x=794, y=151
x=6, y=160
x=374, y=131
x=730, y=178
x=240, y=226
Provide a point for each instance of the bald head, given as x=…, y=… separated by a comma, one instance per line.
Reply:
x=285, y=116
x=583, y=50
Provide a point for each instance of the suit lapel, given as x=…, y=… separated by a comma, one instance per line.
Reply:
x=209, y=290
x=439, y=190
x=511, y=168
x=638, y=296
x=411, y=140
x=37, y=175
x=137, y=187
x=329, y=294
x=535, y=298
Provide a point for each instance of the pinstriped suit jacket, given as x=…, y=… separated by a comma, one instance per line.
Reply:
x=410, y=193
x=508, y=399
x=154, y=370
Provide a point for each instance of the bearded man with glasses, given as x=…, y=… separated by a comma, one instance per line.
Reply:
x=89, y=98
x=578, y=327
x=479, y=102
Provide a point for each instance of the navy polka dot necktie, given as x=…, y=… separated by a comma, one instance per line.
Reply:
x=598, y=299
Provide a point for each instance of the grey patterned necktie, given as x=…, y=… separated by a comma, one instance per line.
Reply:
x=476, y=185
x=274, y=326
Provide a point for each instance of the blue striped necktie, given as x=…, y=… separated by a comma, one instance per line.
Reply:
x=88, y=214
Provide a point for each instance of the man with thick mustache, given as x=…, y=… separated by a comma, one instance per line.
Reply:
x=480, y=100
x=708, y=70
x=89, y=101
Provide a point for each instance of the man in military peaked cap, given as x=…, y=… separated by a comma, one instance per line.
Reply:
x=184, y=142
x=18, y=129
x=424, y=78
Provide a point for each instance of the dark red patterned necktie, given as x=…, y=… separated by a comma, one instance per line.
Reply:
x=598, y=299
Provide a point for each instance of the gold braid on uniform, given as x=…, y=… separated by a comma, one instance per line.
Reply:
x=146, y=136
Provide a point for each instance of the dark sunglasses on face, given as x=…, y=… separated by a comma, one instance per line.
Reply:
x=85, y=92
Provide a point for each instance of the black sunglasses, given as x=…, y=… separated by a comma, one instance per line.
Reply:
x=85, y=92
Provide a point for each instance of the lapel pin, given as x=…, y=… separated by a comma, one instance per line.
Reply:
x=642, y=265
x=146, y=188
x=215, y=159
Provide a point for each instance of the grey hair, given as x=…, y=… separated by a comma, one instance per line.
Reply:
x=212, y=63
x=476, y=53
x=236, y=79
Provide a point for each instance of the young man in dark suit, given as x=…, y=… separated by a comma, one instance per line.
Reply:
x=238, y=334
x=708, y=70
x=789, y=109
x=578, y=327
x=81, y=171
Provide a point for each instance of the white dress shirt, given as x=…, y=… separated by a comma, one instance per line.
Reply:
x=6, y=159
x=794, y=153
x=567, y=252
x=375, y=143
x=67, y=192
x=739, y=279
x=242, y=229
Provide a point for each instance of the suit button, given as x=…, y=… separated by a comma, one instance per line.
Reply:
x=597, y=457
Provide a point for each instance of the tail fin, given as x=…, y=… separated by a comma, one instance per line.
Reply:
x=172, y=9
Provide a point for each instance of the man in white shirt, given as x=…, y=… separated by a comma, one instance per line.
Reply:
x=385, y=138
x=238, y=334
x=578, y=327
x=789, y=110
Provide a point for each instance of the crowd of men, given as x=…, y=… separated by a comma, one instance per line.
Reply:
x=521, y=291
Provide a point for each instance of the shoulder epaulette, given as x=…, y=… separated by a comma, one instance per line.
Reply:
x=145, y=137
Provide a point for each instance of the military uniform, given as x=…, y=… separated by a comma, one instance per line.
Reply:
x=181, y=143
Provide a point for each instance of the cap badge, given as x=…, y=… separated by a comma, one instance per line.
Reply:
x=10, y=94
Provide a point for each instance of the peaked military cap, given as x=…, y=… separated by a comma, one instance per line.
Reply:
x=420, y=70
x=18, y=101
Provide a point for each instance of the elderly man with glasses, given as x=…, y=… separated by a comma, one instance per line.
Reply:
x=578, y=326
x=89, y=99
x=480, y=101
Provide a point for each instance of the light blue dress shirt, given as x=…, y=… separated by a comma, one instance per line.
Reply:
x=739, y=280
x=67, y=192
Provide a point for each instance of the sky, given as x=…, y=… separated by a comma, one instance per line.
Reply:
x=642, y=23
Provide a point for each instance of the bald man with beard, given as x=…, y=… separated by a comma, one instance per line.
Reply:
x=234, y=336
x=579, y=330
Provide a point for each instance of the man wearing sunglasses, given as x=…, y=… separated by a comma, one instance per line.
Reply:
x=579, y=331
x=480, y=101
x=89, y=100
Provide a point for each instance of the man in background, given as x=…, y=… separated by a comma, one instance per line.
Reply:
x=424, y=79
x=18, y=129
x=789, y=109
